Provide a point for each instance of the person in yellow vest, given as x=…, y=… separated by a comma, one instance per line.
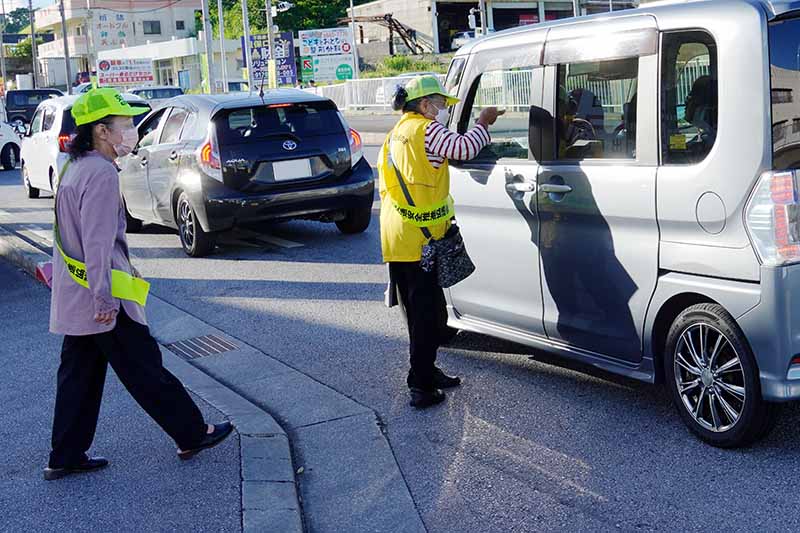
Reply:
x=98, y=300
x=415, y=207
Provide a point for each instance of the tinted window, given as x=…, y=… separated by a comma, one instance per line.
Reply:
x=30, y=99
x=172, y=128
x=688, y=97
x=596, y=110
x=36, y=123
x=509, y=90
x=67, y=123
x=454, y=75
x=147, y=133
x=304, y=120
x=139, y=118
x=49, y=118
x=167, y=93
x=784, y=44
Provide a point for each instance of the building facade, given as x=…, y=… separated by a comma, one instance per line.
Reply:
x=435, y=23
x=96, y=26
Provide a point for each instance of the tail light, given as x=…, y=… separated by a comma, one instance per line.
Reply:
x=63, y=142
x=773, y=218
x=356, y=147
x=208, y=157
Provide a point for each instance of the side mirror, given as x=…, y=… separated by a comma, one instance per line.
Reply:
x=543, y=134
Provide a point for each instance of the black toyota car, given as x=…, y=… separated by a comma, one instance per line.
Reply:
x=205, y=164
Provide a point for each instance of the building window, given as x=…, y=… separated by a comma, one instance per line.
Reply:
x=79, y=31
x=152, y=27
x=180, y=25
x=782, y=96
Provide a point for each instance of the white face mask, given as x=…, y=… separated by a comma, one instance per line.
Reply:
x=442, y=115
x=130, y=138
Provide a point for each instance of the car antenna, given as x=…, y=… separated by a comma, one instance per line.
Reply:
x=261, y=90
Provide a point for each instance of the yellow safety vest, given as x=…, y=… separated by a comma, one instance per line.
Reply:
x=123, y=285
x=401, y=238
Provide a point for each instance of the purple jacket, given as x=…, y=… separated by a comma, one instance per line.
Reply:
x=91, y=221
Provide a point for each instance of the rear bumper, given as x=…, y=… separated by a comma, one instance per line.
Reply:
x=773, y=330
x=225, y=208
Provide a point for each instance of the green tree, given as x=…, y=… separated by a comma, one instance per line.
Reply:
x=17, y=20
x=23, y=49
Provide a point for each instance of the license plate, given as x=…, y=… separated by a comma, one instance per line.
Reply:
x=291, y=170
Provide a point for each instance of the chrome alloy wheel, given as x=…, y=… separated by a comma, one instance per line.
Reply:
x=186, y=218
x=710, y=377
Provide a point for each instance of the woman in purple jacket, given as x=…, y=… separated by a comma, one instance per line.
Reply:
x=101, y=314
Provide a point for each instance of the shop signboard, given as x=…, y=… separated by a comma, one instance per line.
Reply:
x=331, y=41
x=328, y=68
x=125, y=72
x=284, y=58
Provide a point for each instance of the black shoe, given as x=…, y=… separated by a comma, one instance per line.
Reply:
x=89, y=465
x=443, y=381
x=220, y=433
x=425, y=398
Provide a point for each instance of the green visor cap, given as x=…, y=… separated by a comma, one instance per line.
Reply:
x=97, y=104
x=427, y=86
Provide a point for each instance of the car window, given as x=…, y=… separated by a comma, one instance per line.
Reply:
x=596, y=110
x=688, y=97
x=310, y=119
x=784, y=45
x=48, y=119
x=509, y=90
x=149, y=129
x=36, y=123
x=167, y=93
x=454, y=75
x=139, y=118
x=188, y=126
x=172, y=127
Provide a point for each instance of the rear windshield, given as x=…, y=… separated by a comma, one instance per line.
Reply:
x=68, y=123
x=150, y=94
x=29, y=99
x=311, y=119
x=784, y=55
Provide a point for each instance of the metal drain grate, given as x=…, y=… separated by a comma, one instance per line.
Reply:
x=201, y=347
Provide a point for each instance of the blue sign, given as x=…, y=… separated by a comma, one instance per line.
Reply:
x=284, y=58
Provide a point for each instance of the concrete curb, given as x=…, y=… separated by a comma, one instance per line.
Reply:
x=372, y=138
x=269, y=489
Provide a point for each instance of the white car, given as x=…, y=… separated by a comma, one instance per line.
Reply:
x=9, y=141
x=44, y=147
x=380, y=92
x=461, y=38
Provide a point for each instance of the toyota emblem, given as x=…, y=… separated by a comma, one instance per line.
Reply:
x=289, y=145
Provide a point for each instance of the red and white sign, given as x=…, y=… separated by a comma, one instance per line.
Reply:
x=528, y=18
x=125, y=72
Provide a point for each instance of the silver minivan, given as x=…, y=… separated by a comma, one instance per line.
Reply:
x=638, y=208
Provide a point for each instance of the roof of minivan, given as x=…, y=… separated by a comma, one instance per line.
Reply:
x=67, y=101
x=773, y=8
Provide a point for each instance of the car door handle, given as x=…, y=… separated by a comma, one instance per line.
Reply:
x=521, y=186
x=173, y=156
x=552, y=188
x=143, y=162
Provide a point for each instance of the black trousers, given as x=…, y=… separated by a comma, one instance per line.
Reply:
x=426, y=312
x=135, y=357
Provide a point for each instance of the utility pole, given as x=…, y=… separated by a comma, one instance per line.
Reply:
x=482, y=9
x=221, y=24
x=247, y=52
x=270, y=36
x=576, y=8
x=353, y=31
x=67, y=65
x=207, y=45
x=33, y=44
x=2, y=46
x=90, y=50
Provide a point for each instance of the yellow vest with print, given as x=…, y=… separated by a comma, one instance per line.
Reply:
x=401, y=240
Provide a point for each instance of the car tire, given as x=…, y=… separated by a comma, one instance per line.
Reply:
x=31, y=191
x=9, y=157
x=355, y=220
x=713, y=379
x=132, y=225
x=195, y=241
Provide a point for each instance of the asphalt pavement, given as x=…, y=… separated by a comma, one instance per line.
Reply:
x=145, y=488
x=529, y=443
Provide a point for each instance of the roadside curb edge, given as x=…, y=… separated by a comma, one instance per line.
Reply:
x=268, y=487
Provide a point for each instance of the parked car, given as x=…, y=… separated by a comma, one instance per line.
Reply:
x=381, y=97
x=157, y=96
x=82, y=88
x=21, y=104
x=45, y=146
x=461, y=38
x=206, y=164
x=665, y=249
x=9, y=146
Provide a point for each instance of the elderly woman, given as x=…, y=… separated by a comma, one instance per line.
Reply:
x=413, y=167
x=98, y=299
